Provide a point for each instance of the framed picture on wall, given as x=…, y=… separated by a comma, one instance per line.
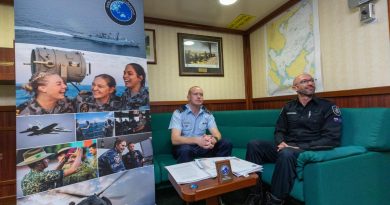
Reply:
x=200, y=55
x=150, y=43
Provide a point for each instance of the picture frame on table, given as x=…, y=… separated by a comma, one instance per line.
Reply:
x=150, y=46
x=200, y=55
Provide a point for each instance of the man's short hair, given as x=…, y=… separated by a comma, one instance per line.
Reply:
x=189, y=90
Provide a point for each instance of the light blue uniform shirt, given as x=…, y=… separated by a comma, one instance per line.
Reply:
x=191, y=125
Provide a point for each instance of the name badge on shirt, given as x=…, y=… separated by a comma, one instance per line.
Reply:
x=291, y=113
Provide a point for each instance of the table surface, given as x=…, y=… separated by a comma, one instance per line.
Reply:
x=209, y=188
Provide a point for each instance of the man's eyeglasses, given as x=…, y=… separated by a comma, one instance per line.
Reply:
x=304, y=82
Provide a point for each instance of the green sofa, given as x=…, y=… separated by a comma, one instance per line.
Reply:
x=358, y=172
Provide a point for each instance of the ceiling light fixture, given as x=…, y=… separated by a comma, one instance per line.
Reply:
x=188, y=43
x=227, y=2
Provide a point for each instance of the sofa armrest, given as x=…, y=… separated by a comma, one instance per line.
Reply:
x=326, y=155
x=360, y=179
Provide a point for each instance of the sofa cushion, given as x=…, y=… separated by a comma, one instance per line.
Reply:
x=164, y=160
x=161, y=141
x=239, y=152
x=368, y=127
x=326, y=155
x=157, y=174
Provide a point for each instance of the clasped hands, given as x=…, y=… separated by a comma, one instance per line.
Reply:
x=206, y=141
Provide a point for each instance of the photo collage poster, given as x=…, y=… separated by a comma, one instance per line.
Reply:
x=83, y=124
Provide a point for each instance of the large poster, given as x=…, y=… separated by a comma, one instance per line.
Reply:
x=82, y=103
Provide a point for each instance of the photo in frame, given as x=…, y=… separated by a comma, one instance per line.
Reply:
x=150, y=46
x=200, y=55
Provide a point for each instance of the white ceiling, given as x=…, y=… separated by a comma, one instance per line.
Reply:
x=210, y=12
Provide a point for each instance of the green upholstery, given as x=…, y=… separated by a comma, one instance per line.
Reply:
x=367, y=127
x=320, y=156
x=355, y=173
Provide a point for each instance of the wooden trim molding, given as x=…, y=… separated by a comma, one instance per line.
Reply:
x=166, y=22
x=8, y=108
x=213, y=105
x=388, y=14
x=248, y=71
x=7, y=2
x=332, y=94
x=365, y=97
x=7, y=66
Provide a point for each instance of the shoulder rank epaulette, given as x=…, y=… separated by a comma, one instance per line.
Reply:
x=182, y=108
x=206, y=110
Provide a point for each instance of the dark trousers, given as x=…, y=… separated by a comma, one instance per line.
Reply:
x=285, y=160
x=188, y=152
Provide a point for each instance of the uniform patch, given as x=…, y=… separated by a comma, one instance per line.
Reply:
x=291, y=113
x=336, y=110
x=84, y=107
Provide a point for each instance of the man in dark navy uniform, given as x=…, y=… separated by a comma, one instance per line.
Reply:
x=306, y=123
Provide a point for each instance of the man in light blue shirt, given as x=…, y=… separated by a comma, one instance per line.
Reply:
x=188, y=131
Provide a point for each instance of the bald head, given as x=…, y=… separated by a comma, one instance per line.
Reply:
x=300, y=77
x=193, y=88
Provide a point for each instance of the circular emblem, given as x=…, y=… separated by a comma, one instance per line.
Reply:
x=224, y=170
x=121, y=11
x=336, y=110
x=84, y=107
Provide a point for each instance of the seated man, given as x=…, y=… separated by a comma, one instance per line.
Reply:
x=188, y=131
x=307, y=123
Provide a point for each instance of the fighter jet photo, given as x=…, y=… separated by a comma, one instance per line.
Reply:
x=50, y=129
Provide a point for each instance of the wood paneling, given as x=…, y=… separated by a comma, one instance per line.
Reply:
x=367, y=97
x=212, y=105
x=7, y=2
x=7, y=155
x=248, y=72
x=7, y=66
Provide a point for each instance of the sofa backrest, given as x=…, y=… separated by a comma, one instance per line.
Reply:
x=368, y=127
x=161, y=136
x=242, y=126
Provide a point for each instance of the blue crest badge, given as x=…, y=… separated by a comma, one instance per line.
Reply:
x=224, y=170
x=121, y=11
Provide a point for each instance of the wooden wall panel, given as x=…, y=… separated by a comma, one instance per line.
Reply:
x=7, y=155
x=357, y=98
x=212, y=105
x=7, y=65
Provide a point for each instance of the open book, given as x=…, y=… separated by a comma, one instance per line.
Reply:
x=204, y=168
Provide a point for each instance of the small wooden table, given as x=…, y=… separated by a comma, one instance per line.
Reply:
x=210, y=189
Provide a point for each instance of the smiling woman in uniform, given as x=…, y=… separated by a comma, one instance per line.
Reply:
x=48, y=90
x=102, y=97
x=136, y=95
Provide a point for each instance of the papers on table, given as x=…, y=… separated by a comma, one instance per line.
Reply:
x=204, y=168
